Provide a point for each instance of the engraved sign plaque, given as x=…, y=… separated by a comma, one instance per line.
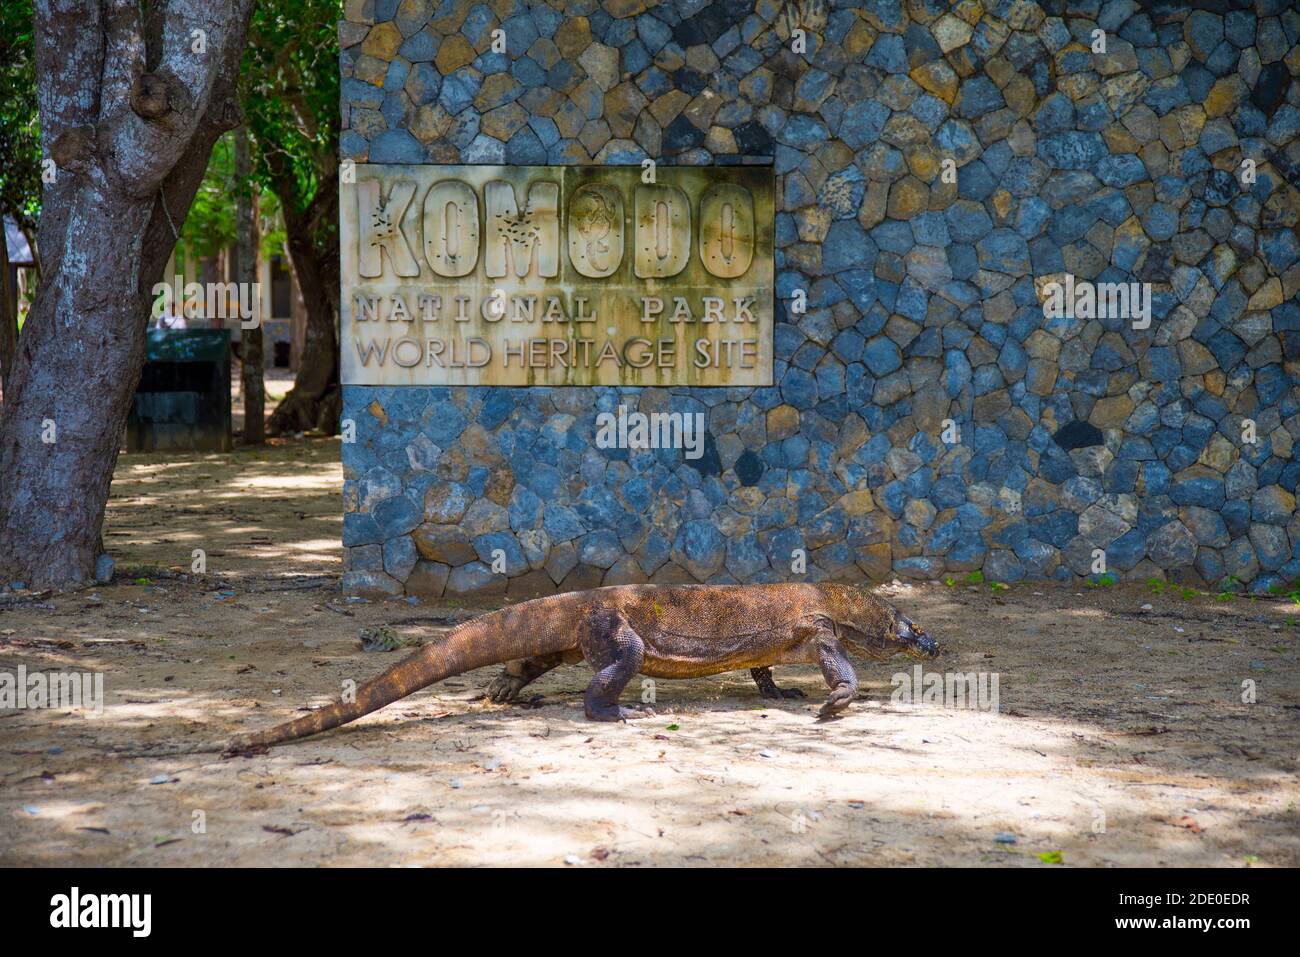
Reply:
x=555, y=276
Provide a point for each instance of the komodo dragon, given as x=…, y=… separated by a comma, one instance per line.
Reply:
x=662, y=631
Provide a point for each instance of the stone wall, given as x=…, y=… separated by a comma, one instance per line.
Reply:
x=1075, y=434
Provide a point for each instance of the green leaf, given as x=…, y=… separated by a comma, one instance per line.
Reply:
x=1051, y=857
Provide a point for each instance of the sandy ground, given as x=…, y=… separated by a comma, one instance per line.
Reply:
x=1120, y=738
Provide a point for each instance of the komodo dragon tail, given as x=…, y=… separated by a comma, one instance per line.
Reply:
x=520, y=631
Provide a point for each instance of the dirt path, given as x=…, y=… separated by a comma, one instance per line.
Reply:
x=1121, y=737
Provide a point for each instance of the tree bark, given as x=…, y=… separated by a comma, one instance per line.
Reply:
x=130, y=110
x=252, y=382
x=316, y=400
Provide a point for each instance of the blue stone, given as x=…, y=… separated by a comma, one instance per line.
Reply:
x=396, y=516
x=525, y=509
x=562, y=524
x=882, y=356
x=1072, y=150
x=979, y=95
x=847, y=246
x=507, y=545
x=600, y=548
x=1004, y=250
x=1204, y=491
x=888, y=53
x=863, y=124
x=1120, y=170
x=799, y=389
x=396, y=146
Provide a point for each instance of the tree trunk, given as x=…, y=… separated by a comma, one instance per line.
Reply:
x=316, y=400
x=130, y=109
x=252, y=382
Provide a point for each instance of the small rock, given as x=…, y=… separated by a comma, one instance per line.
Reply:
x=572, y=859
x=1002, y=837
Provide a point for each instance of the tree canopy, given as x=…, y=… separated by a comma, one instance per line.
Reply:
x=20, y=138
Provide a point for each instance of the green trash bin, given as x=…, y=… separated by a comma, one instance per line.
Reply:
x=183, y=400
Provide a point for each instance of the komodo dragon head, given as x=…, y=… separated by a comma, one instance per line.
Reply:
x=874, y=629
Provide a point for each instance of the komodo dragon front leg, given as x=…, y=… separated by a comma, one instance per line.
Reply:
x=615, y=653
x=767, y=687
x=836, y=667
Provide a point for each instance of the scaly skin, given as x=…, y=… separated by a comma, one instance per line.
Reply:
x=662, y=631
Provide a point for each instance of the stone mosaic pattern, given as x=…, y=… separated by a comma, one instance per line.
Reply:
x=1075, y=434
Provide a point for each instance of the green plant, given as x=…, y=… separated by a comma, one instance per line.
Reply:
x=975, y=578
x=998, y=586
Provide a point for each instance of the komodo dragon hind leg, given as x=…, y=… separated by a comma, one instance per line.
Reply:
x=615, y=653
x=516, y=675
x=767, y=685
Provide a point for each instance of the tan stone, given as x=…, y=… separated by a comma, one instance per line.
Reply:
x=370, y=69
x=594, y=136
x=923, y=163
x=702, y=59
x=356, y=11
x=1224, y=96
x=903, y=130
x=951, y=32
x=703, y=108
x=1120, y=140
x=859, y=40
x=857, y=503
x=1003, y=203
x=1078, y=85
x=874, y=203
x=494, y=91
x=1110, y=412
x=601, y=64
x=876, y=561
x=429, y=122
x=428, y=579
x=454, y=53
x=1267, y=296
x=623, y=104
x=908, y=197
x=782, y=422
x=1123, y=91
x=503, y=122
x=665, y=108
x=573, y=36
x=1218, y=454
x=937, y=77
x=382, y=41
